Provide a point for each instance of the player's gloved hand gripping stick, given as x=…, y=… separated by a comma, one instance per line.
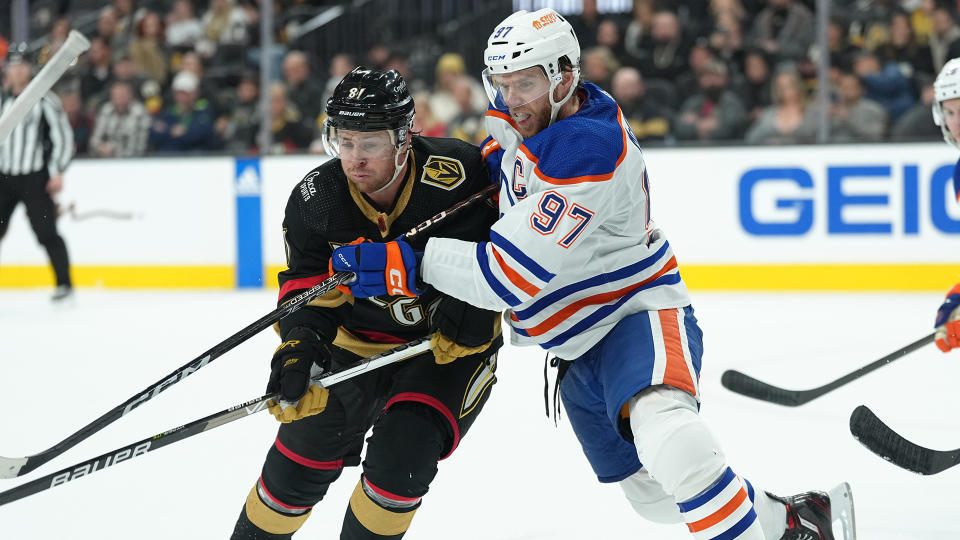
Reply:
x=14, y=467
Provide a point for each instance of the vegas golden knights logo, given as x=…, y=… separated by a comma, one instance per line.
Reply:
x=442, y=172
x=480, y=381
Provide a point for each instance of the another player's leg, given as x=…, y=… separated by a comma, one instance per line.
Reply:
x=43, y=219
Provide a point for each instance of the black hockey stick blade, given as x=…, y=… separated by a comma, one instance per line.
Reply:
x=746, y=385
x=867, y=428
x=19, y=466
x=139, y=448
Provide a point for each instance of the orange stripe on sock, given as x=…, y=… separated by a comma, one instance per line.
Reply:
x=723, y=513
x=676, y=373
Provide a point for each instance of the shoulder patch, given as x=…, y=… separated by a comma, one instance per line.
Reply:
x=307, y=189
x=443, y=172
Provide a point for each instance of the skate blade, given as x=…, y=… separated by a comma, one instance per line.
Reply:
x=841, y=510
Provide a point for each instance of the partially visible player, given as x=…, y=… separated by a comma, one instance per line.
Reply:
x=585, y=274
x=946, y=114
x=385, y=181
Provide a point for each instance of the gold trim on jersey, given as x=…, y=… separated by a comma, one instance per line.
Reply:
x=376, y=519
x=443, y=172
x=360, y=347
x=480, y=381
x=268, y=519
x=382, y=220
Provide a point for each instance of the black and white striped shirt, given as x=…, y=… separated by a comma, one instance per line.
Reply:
x=43, y=138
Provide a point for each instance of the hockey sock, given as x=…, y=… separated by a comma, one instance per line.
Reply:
x=723, y=511
x=264, y=518
x=771, y=512
x=375, y=514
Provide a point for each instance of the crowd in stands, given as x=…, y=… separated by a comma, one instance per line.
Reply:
x=178, y=76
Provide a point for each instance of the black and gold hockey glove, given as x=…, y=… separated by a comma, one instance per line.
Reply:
x=459, y=329
x=302, y=356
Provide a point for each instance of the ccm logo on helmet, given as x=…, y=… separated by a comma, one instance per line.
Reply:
x=550, y=18
x=496, y=57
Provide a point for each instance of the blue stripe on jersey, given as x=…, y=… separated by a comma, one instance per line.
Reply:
x=521, y=257
x=492, y=280
x=734, y=532
x=749, y=489
x=604, y=311
x=567, y=290
x=709, y=494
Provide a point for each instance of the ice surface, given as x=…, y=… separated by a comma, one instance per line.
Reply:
x=514, y=477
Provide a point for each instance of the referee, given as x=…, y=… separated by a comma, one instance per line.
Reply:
x=32, y=161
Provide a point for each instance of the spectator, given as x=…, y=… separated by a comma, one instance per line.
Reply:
x=223, y=24
x=911, y=58
x=187, y=124
x=425, y=123
x=663, y=54
x=784, y=29
x=638, y=29
x=58, y=35
x=915, y=124
x=240, y=129
x=209, y=90
x=451, y=67
x=727, y=38
x=107, y=28
x=789, y=120
x=884, y=85
x=945, y=38
x=649, y=120
x=303, y=91
x=123, y=13
x=608, y=35
x=147, y=50
x=599, y=65
x=586, y=23
x=838, y=41
x=289, y=134
x=755, y=89
x=714, y=113
x=144, y=89
x=95, y=73
x=688, y=82
x=183, y=27
x=122, y=125
x=855, y=118
x=80, y=122
x=468, y=124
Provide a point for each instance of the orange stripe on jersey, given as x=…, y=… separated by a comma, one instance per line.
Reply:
x=503, y=116
x=723, y=513
x=676, y=374
x=601, y=298
x=513, y=276
x=954, y=290
x=580, y=179
x=489, y=148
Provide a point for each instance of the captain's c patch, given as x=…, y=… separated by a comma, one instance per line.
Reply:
x=443, y=172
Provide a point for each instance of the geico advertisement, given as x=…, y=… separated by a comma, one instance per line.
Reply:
x=830, y=204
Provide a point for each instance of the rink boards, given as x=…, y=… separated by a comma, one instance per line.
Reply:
x=869, y=217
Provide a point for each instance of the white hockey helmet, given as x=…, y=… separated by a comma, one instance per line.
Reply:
x=946, y=86
x=525, y=40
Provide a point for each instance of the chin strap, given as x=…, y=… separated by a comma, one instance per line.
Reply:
x=397, y=167
x=555, y=105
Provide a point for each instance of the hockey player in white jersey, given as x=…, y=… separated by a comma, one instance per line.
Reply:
x=946, y=114
x=583, y=272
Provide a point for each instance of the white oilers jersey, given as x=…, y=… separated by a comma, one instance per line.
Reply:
x=574, y=250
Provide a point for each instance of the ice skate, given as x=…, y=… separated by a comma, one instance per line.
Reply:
x=62, y=295
x=815, y=515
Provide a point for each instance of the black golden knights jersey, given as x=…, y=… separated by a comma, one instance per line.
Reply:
x=325, y=211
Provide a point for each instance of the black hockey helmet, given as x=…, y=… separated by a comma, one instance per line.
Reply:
x=371, y=100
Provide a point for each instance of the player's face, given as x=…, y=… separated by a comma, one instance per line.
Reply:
x=951, y=115
x=367, y=158
x=526, y=94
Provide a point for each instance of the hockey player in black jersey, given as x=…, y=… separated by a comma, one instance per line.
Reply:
x=386, y=180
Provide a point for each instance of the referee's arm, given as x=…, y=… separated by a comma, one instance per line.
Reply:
x=61, y=134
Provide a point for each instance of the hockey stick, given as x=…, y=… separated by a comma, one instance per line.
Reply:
x=139, y=448
x=14, y=467
x=74, y=45
x=746, y=385
x=888, y=444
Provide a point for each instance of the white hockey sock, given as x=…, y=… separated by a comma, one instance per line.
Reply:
x=771, y=512
x=723, y=512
